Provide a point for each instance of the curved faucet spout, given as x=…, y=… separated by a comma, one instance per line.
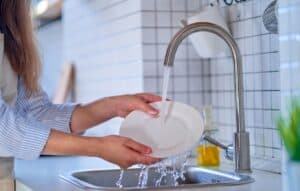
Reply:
x=241, y=138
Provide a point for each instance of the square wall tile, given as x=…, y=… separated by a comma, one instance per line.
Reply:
x=163, y=19
x=178, y=5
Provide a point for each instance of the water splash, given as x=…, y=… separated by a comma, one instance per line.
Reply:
x=143, y=177
x=119, y=182
x=170, y=170
x=173, y=167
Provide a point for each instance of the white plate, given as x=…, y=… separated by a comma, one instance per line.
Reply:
x=181, y=131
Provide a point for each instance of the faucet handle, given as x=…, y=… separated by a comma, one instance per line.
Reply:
x=228, y=149
x=229, y=152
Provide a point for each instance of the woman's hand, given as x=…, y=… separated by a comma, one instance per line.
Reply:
x=125, y=152
x=122, y=151
x=89, y=115
x=127, y=103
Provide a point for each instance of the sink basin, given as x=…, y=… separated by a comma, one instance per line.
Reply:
x=194, y=177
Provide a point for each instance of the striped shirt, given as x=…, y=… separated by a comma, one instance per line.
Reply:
x=25, y=126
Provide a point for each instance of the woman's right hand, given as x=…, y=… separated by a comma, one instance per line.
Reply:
x=125, y=152
x=122, y=151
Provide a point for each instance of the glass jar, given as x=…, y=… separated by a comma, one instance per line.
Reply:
x=207, y=153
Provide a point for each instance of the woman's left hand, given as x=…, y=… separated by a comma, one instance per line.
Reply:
x=127, y=103
x=89, y=115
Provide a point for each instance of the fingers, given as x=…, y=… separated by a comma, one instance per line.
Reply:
x=147, y=160
x=137, y=158
x=126, y=152
x=149, y=97
x=138, y=147
x=142, y=159
x=145, y=107
x=149, y=109
x=139, y=152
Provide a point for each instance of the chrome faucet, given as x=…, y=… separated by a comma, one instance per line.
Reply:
x=241, y=137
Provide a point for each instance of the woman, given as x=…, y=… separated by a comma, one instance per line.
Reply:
x=30, y=125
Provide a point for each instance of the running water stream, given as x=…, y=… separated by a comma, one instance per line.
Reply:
x=166, y=78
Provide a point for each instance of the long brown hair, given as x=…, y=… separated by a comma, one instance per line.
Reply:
x=19, y=41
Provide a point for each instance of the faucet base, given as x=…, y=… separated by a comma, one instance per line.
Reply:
x=242, y=152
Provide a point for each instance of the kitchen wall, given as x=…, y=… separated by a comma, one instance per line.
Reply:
x=289, y=38
x=123, y=49
x=290, y=48
x=103, y=38
x=210, y=81
x=261, y=65
x=50, y=41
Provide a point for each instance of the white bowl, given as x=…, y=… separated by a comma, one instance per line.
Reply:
x=176, y=132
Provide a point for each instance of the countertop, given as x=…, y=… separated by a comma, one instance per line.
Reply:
x=43, y=175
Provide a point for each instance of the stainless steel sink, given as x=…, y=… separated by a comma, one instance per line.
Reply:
x=194, y=177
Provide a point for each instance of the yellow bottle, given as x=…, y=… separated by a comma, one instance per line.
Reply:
x=208, y=154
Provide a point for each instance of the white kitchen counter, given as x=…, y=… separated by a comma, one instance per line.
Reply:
x=43, y=175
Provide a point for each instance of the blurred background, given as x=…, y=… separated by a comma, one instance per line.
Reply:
x=118, y=47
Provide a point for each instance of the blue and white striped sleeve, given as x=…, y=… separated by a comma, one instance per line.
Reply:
x=55, y=116
x=24, y=137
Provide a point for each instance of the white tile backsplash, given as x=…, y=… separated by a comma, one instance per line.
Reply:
x=177, y=16
x=193, y=5
x=210, y=81
x=148, y=19
x=163, y=19
x=289, y=51
x=178, y=5
x=163, y=35
x=181, y=69
x=164, y=5
x=148, y=5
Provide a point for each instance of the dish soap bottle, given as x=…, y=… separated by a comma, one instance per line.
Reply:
x=207, y=153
